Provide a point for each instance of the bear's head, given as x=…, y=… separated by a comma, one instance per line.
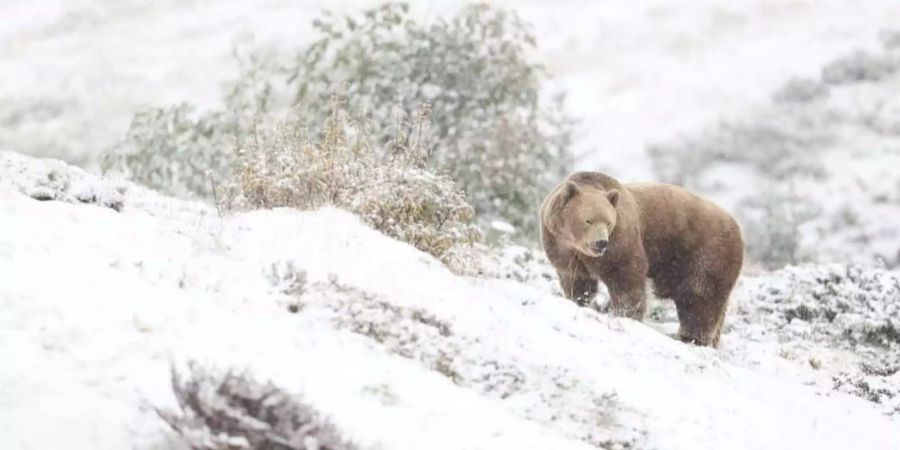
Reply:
x=581, y=217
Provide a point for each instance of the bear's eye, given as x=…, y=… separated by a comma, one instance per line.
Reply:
x=589, y=222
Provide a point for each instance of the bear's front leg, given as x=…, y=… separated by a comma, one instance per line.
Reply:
x=628, y=300
x=578, y=287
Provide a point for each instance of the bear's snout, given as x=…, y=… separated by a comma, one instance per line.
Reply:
x=599, y=246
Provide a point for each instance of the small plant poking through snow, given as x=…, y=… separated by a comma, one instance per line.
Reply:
x=235, y=412
x=391, y=189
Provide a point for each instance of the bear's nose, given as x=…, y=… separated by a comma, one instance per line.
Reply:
x=599, y=246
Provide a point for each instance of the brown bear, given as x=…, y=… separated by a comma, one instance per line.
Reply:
x=594, y=228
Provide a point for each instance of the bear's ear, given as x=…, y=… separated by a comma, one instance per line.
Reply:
x=553, y=206
x=570, y=190
x=613, y=196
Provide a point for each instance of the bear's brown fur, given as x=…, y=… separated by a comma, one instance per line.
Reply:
x=594, y=228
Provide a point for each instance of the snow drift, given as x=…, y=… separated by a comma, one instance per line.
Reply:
x=107, y=285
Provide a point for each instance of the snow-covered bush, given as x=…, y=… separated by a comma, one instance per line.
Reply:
x=890, y=39
x=391, y=189
x=57, y=181
x=877, y=383
x=847, y=307
x=775, y=147
x=493, y=133
x=833, y=146
x=770, y=224
x=235, y=412
x=851, y=308
x=800, y=90
x=176, y=151
x=856, y=67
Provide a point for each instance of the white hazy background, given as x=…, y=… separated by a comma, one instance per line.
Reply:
x=73, y=72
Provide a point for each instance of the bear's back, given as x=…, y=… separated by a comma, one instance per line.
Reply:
x=674, y=219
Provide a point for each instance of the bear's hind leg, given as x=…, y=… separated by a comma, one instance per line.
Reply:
x=702, y=297
x=700, y=319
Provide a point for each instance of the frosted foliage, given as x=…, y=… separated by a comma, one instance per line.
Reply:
x=391, y=190
x=890, y=39
x=815, y=174
x=777, y=146
x=856, y=67
x=800, y=90
x=878, y=383
x=846, y=306
x=771, y=222
x=492, y=132
x=850, y=308
x=176, y=151
x=55, y=180
x=235, y=412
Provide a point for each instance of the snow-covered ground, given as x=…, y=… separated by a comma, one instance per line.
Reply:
x=107, y=285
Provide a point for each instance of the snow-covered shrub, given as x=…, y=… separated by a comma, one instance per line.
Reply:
x=890, y=39
x=885, y=118
x=770, y=224
x=493, y=133
x=176, y=151
x=391, y=189
x=848, y=307
x=776, y=146
x=851, y=308
x=856, y=67
x=55, y=180
x=836, y=153
x=800, y=90
x=235, y=412
x=875, y=381
x=879, y=385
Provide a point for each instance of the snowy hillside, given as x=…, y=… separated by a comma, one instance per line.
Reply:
x=107, y=284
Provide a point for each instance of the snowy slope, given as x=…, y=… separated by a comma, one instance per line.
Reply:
x=399, y=352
